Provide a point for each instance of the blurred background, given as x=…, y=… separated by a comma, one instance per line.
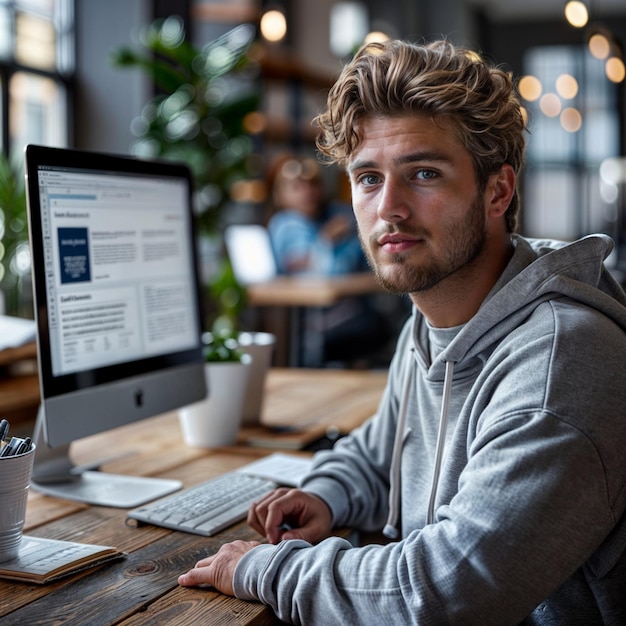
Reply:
x=227, y=85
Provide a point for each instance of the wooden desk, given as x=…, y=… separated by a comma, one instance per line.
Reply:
x=303, y=405
x=290, y=297
x=142, y=588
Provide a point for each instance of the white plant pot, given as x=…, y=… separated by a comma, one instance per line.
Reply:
x=216, y=421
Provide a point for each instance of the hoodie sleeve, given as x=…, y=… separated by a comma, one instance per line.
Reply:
x=475, y=565
x=536, y=498
x=306, y=597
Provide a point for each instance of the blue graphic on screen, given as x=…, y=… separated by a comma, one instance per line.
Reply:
x=74, y=255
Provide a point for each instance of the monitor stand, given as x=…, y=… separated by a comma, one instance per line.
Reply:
x=54, y=474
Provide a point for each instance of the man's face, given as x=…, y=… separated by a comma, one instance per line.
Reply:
x=415, y=197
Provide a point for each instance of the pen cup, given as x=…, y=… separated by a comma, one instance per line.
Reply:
x=15, y=473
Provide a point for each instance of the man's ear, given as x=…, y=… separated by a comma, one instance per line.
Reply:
x=500, y=190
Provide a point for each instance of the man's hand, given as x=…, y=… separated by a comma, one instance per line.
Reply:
x=291, y=514
x=306, y=516
x=218, y=570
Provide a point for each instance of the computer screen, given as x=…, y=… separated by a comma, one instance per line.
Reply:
x=117, y=307
x=250, y=252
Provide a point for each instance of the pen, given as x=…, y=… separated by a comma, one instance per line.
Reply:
x=16, y=446
x=4, y=429
x=10, y=447
x=24, y=446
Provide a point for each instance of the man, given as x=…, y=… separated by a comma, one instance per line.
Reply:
x=497, y=454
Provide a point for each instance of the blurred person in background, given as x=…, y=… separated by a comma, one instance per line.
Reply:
x=313, y=235
x=310, y=234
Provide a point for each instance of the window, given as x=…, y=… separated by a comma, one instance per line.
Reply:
x=575, y=126
x=36, y=70
x=36, y=66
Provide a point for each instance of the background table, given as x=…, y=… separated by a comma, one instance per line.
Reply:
x=142, y=588
x=286, y=300
x=313, y=291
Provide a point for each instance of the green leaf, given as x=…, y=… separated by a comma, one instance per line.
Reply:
x=13, y=228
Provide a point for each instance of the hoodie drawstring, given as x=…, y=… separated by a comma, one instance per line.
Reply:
x=441, y=439
x=391, y=527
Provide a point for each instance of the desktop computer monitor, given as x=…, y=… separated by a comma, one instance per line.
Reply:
x=117, y=306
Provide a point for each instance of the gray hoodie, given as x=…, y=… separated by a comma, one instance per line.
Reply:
x=498, y=455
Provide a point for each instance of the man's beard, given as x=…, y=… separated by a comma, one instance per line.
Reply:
x=465, y=241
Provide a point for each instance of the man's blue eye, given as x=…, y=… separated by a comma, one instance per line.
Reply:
x=426, y=174
x=369, y=179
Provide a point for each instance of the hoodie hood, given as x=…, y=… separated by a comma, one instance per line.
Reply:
x=539, y=270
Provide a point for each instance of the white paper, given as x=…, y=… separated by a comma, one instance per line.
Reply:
x=16, y=331
x=284, y=469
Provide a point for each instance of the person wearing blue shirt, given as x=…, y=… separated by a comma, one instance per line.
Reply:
x=311, y=235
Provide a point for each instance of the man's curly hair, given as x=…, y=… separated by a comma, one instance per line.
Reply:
x=396, y=78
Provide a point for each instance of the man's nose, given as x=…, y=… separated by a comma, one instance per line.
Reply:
x=394, y=204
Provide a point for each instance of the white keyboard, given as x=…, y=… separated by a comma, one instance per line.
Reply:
x=207, y=508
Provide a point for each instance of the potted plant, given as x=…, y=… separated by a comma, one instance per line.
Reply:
x=228, y=345
x=222, y=346
x=215, y=421
x=199, y=114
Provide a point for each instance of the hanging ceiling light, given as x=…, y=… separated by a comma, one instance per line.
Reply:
x=550, y=105
x=567, y=86
x=349, y=23
x=571, y=120
x=576, y=13
x=599, y=45
x=530, y=88
x=273, y=26
x=615, y=69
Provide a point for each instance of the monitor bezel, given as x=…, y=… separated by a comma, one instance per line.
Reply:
x=42, y=157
